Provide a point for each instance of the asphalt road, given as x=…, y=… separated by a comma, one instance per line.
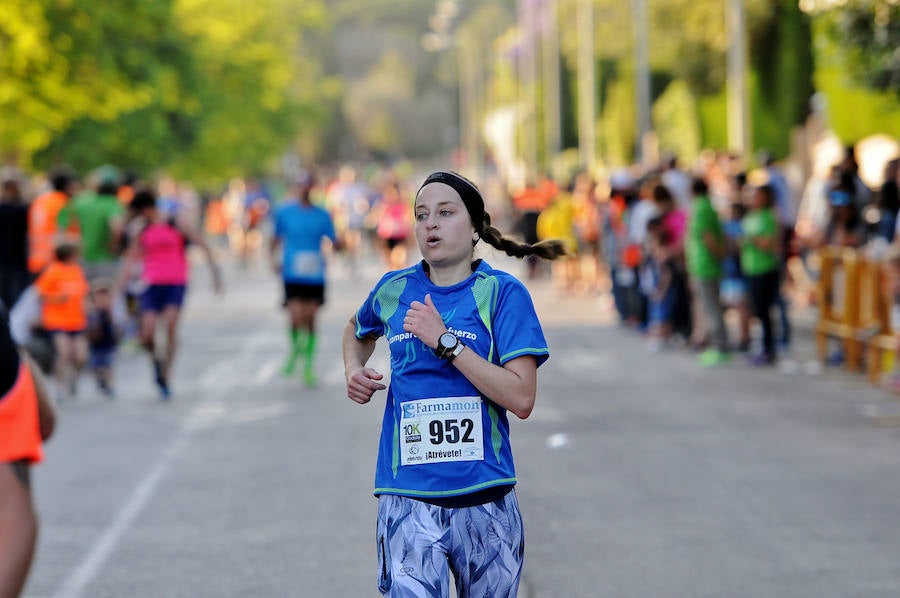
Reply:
x=639, y=474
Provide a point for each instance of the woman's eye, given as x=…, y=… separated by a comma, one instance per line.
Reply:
x=420, y=217
x=446, y=212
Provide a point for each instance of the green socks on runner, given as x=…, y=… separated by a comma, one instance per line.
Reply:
x=298, y=342
x=303, y=344
x=309, y=374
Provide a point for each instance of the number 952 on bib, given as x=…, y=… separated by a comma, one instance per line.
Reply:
x=438, y=430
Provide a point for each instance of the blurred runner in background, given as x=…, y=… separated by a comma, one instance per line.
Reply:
x=300, y=229
x=161, y=247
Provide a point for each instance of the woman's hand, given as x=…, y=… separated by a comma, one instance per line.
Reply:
x=424, y=321
x=362, y=384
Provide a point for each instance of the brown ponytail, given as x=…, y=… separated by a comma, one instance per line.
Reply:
x=548, y=250
x=481, y=220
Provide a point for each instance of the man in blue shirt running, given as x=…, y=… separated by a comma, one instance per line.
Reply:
x=300, y=229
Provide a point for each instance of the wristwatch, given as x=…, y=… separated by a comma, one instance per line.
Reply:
x=448, y=346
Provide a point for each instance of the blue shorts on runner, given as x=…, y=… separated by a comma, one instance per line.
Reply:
x=419, y=544
x=157, y=297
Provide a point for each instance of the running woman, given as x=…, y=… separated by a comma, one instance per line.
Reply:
x=465, y=346
x=161, y=247
x=300, y=229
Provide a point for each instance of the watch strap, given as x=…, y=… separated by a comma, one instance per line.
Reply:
x=455, y=352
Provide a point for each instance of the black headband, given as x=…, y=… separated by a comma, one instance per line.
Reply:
x=467, y=190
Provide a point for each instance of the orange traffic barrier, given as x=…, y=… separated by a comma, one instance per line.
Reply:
x=853, y=309
x=839, y=303
x=884, y=339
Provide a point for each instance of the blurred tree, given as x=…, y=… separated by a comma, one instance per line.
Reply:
x=204, y=88
x=367, y=103
x=781, y=58
x=867, y=33
x=257, y=85
x=676, y=121
x=61, y=62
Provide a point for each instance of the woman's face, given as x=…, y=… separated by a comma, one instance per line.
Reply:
x=444, y=229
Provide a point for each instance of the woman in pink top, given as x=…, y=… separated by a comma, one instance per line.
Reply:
x=161, y=248
x=674, y=219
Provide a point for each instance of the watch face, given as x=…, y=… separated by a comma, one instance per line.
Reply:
x=448, y=340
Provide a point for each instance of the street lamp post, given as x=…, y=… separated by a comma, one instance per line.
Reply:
x=550, y=54
x=587, y=92
x=642, y=77
x=738, y=129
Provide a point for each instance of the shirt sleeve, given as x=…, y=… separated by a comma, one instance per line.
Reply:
x=368, y=324
x=516, y=328
x=46, y=282
x=279, y=224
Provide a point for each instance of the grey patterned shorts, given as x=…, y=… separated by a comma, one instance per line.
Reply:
x=420, y=544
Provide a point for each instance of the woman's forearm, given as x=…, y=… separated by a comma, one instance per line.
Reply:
x=512, y=386
x=356, y=351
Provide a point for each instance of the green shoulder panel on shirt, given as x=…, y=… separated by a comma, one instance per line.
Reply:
x=486, y=289
x=387, y=298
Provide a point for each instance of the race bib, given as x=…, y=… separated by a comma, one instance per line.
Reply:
x=438, y=430
x=306, y=264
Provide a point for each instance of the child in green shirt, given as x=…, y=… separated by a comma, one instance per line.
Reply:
x=760, y=263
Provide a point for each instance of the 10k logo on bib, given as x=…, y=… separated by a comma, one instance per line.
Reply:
x=438, y=430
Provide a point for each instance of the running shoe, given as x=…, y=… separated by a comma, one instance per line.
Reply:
x=164, y=392
x=309, y=377
x=713, y=357
x=289, y=366
x=762, y=360
x=105, y=388
x=160, y=380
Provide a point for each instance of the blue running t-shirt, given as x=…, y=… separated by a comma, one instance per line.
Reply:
x=440, y=437
x=301, y=230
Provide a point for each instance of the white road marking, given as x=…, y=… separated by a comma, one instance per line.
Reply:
x=210, y=408
x=557, y=441
x=75, y=584
x=267, y=371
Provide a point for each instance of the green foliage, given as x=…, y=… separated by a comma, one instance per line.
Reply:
x=866, y=36
x=713, y=118
x=676, y=122
x=689, y=38
x=617, y=129
x=854, y=111
x=64, y=61
x=204, y=88
x=782, y=64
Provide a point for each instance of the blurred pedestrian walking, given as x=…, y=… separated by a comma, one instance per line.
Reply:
x=63, y=291
x=99, y=216
x=43, y=221
x=103, y=335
